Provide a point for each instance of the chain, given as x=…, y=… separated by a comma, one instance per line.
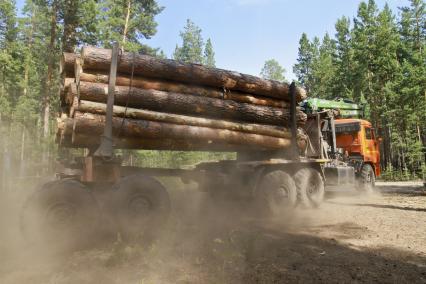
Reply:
x=129, y=93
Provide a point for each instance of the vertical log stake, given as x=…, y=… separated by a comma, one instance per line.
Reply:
x=106, y=148
x=293, y=122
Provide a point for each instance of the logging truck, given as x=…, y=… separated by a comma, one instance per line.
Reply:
x=353, y=150
x=117, y=100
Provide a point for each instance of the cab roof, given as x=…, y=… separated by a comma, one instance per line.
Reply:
x=353, y=120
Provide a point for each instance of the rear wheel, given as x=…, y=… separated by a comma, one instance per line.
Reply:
x=310, y=187
x=276, y=193
x=140, y=205
x=62, y=214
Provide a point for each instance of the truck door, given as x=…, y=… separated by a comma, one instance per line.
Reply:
x=371, y=151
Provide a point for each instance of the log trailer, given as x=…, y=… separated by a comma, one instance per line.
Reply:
x=97, y=189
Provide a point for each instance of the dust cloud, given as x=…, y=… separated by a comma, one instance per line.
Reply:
x=213, y=242
x=202, y=241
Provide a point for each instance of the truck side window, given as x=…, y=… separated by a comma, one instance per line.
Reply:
x=368, y=134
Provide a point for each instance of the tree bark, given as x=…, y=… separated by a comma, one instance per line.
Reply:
x=100, y=108
x=185, y=104
x=70, y=11
x=166, y=69
x=88, y=141
x=66, y=64
x=168, y=86
x=126, y=24
x=50, y=67
x=92, y=124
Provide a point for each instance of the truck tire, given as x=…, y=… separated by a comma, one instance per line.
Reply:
x=139, y=205
x=61, y=214
x=367, y=179
x=310, y=187
x=275, y=193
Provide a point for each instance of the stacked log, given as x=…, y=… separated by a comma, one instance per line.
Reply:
x=167, y=105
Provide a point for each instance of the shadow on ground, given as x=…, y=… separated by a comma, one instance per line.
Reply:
x=379, y=206
x=205, y=244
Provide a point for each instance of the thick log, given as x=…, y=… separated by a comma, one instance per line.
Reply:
x=169, y=86
x=88, y=141
x=66, y=65
x=185, y=104
x=67, y=81
x=119, y=111
x=92, y=124
x=166, y=69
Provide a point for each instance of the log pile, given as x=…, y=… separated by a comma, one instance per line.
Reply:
x=167, y=105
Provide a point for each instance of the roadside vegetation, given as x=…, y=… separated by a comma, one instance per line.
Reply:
x=377, y=58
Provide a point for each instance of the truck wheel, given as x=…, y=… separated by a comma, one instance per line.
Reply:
x=62, y=214
x=367, y=179
x=276, y=193
x=140, y=205
x=310, y=187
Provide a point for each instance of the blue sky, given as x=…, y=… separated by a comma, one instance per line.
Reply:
x=246, y=33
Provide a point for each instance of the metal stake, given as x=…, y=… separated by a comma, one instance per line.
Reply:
x=106, y=148
x=293, y=122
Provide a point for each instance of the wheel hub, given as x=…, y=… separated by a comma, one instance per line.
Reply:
x=60, y=215
x=139, y=206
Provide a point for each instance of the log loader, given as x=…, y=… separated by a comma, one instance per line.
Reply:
x=350, y=144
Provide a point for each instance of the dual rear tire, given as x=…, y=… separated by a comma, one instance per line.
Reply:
x=139, y=205
x=64, y=214
x=278, y=191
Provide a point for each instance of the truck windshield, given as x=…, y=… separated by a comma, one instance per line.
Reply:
x=351, y=127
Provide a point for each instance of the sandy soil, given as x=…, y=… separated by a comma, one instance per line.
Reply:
x=351, y=238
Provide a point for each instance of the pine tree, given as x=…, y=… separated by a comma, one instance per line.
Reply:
x=365, y=25
x=8, y=57
x=209, y=59
x=303, y=68
x=191, y=50
x=408, y=91
x=324, y=70
x=272, y=70
x=344, y=59
x=128, y=22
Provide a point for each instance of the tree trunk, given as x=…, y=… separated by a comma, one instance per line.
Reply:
x=50, y=67
x=92, y=142
x=126, y=23
x=185, y=104
x=28, y=54
x=66, y=65
x=167, y=86
x=87, y=123
x=69, y=40
x=99, y=108
x=100, y=59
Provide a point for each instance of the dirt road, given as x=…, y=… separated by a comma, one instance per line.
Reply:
x=380, y=238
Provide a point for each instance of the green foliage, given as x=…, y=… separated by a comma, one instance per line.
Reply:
x=193, y=49
x=127, y=22
x=209, y=59
x=324, y=70
x=272, y=70
x=303, y=67
x=379, y=60
x=344, y=61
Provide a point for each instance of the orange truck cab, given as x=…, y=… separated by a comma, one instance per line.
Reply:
x=357, y=139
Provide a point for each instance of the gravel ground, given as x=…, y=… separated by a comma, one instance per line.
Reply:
x=351, y=238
